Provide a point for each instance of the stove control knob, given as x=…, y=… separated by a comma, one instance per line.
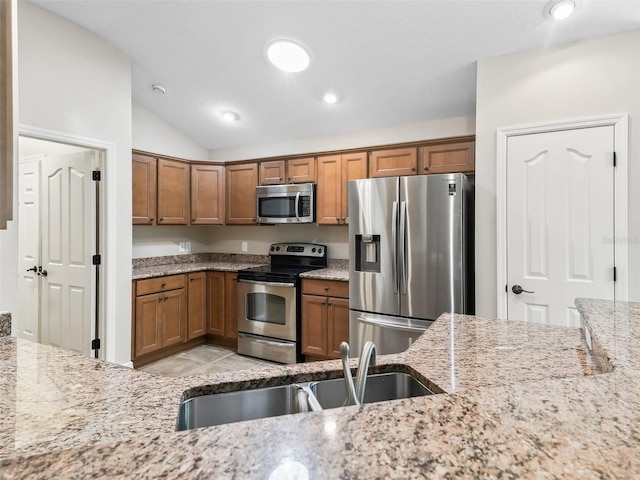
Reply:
x=319, y=250
x=272, y=249
x=277, y=249
x=313, y=249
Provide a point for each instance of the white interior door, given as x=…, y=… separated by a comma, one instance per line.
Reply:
x=560, y=222
x=29, y=249
x=68, y=243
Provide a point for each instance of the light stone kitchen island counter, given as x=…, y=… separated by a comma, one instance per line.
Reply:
x=523, y=401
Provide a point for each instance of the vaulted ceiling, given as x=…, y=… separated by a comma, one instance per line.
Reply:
x=391, y=62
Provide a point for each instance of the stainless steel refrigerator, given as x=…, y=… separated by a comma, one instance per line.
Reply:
x=411, y=256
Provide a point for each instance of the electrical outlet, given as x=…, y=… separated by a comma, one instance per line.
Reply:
x=245, y=247
x=184, y=247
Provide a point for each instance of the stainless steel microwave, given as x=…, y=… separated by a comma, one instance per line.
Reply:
x=291, y=203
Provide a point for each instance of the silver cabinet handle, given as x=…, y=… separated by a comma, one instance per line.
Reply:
x=394, y=234
x=381, y=323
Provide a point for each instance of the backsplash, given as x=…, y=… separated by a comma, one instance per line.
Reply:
x=5, y=324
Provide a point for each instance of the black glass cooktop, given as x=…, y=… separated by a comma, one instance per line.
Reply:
x=275, y=272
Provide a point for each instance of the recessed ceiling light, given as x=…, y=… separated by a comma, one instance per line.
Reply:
x=229, y=116
x=288, y=55
x=330, y=97
x=561, y=9
x=157, y=88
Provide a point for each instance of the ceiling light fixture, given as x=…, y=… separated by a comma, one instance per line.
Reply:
x=288, y=55
x=229, y=116
x=157, y=88
x=330, y=97
x=561, y=9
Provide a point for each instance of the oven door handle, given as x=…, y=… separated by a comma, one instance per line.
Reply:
x=297, y=201
x=267, y=284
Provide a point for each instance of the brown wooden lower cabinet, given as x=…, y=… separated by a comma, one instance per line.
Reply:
x=325, y=318
x=160, y=316
x=197, y=310
x=222, y=302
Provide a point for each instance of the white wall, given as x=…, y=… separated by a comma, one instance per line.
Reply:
x=73, y=82
x=589, y=78
x=152, y=134
x=447, y=127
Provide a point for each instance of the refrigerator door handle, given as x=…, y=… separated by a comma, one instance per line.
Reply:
x=394, y=325
x=402, y=260
x=394, y=234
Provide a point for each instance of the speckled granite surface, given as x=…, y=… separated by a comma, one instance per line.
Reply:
x=5, y=324
x=524, y=401
x=175, y=264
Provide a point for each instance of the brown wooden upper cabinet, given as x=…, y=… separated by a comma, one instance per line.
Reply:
x=173, y=192
x=295, y=170
x=143, y=179
x=332, y=194
x=447, y=158
x=241, y=194
x=389, y=163
x=207, y=194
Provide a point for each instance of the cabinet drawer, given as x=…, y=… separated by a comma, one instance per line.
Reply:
x=160, y=284
x=329, y=288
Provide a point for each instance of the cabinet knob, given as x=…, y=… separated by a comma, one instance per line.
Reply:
x=343, y=219
x=413, y=169
x=253, y=219
x=289, y=178
x=338, y=219
x=151, y=219
x=164, y=284
x=425, y=168
x=193, y=219
x=279, y=178
x=329, y=303
x=324, y=303
x=326, y=289
x=161, y=219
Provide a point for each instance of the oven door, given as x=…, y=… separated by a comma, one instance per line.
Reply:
x=267, y=308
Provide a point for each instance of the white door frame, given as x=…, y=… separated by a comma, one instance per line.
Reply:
x=620, y=122
x=107, y=235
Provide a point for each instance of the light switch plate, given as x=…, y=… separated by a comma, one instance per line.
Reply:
x=245, y=247
x=184, y=247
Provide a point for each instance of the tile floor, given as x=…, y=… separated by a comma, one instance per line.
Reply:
x=203, y=360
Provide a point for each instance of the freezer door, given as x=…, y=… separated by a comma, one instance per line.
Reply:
x=373, y=221
x=431, y=245
x=390, y=334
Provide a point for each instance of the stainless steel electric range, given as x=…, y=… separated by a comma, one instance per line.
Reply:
x=269, y=302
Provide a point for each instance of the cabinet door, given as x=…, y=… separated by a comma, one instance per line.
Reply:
x=301, y=170
x=354, y=167
x=451, y=158
x=215, y=303
x=328, y=192
x=173, y=192
x=241, y=194
x=147, y=323
x=338, y=325
x=272, y=173
x=173, y=309
x=144, y=183
x=314, y=325
x=197, y=308
x=207, y=194
x=231, y=304
x=389, y=163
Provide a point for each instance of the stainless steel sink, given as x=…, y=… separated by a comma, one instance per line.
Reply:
x=380, y=387
x=221, y=408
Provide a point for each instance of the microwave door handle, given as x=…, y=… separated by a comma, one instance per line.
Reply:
x=297, y=202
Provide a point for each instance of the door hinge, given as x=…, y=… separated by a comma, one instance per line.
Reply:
x=95, y=344
x=615, y=161
x=97, y=259
x=615, y=274
x=506, y=288
x=96, y=175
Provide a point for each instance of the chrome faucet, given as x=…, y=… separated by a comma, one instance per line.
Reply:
x=355, y=394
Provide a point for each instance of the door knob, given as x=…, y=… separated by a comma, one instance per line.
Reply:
x=517, y=289
x=32, y=269
x=42, y=272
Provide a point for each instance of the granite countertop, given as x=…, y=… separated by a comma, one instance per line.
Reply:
x=178, y=264
x=522, y=400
